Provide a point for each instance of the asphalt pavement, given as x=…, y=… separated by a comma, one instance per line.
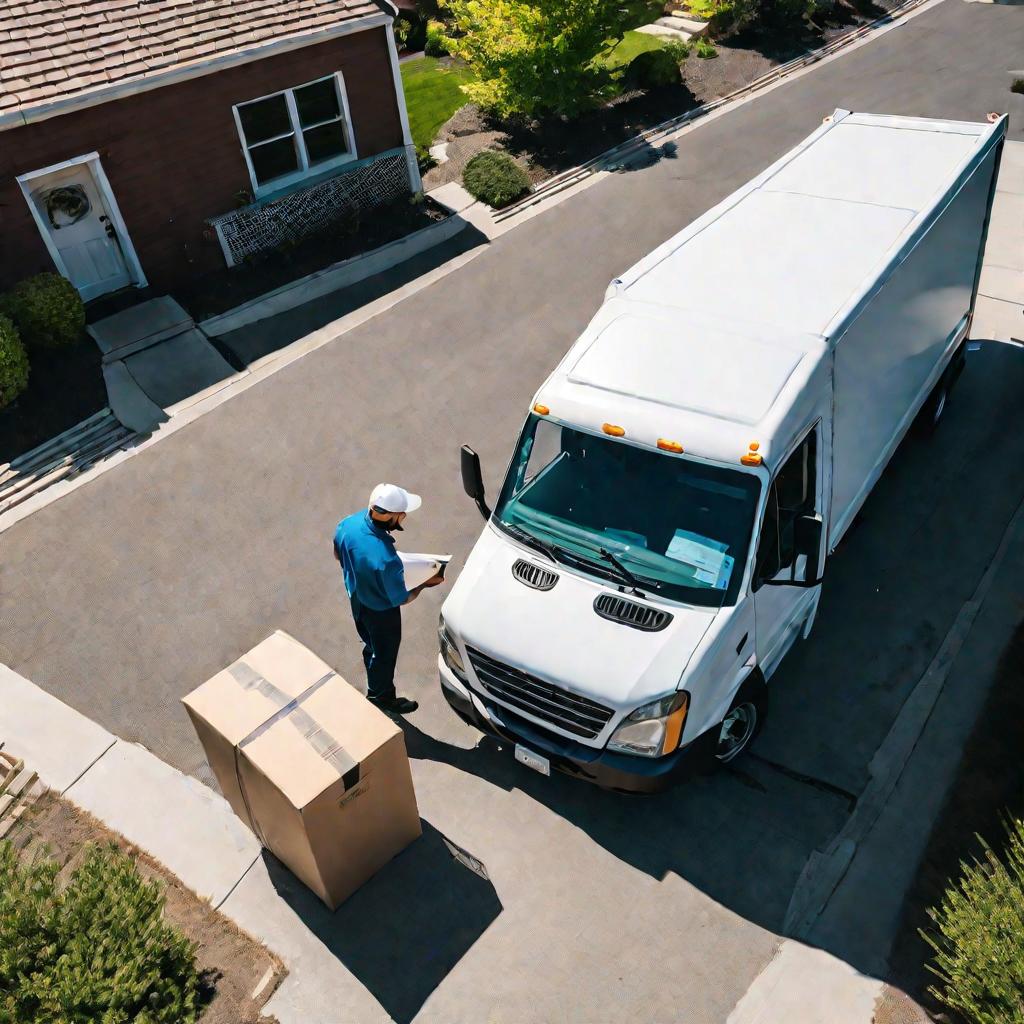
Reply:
x=124, y=595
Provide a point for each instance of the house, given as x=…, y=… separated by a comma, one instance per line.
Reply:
x=146, y=142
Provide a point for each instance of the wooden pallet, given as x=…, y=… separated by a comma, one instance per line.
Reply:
x=20, y=788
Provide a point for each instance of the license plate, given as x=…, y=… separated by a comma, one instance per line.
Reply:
x=532, y=760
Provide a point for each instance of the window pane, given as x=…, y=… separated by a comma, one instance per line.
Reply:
x=317, y=102
x=265, y=119
x=324, y=142
x=274, y=159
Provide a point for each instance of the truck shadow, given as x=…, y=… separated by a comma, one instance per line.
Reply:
x=403, y=931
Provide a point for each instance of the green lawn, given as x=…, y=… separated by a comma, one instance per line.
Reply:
x=632, y=44
x=432, y=95
x=432, y=92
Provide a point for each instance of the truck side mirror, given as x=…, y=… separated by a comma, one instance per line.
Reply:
x=807, y=532
x=473, y=479
x=807, y=536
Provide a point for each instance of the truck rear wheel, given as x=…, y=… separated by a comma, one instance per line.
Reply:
x=931, y=412
x=743, y=721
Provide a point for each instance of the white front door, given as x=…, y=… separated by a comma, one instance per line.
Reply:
x=71, y=210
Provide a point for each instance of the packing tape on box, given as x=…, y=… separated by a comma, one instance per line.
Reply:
x=289, y=707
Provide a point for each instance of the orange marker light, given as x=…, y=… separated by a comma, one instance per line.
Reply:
x=752, y=458
x=674, y=724
x=754, y=445
x=541, y=410
x=614, y=431
x=670, y=446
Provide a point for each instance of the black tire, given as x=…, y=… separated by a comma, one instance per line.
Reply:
x=931, y=413
x=743, y=721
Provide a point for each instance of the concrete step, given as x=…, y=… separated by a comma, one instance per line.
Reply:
x=690, y=26
x=664, y=33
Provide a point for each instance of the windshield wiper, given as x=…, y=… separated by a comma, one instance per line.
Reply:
x=530, y=541
x=623, y=572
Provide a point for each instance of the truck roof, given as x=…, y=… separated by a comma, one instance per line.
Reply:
x=723, y=318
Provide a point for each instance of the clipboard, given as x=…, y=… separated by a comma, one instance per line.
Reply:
x=421, y=567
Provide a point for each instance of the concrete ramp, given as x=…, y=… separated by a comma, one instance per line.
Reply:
x=155, y=358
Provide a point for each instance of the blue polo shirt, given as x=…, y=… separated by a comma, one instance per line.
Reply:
x=374, y=574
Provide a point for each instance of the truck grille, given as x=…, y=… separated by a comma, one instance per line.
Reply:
x=574, y=714
x=639, y=616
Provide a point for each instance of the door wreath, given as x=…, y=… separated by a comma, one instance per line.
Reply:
x=66, y=205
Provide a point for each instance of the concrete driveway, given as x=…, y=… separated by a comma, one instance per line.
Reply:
x=124, y=595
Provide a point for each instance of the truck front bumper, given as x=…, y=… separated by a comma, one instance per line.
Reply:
x=605, y=768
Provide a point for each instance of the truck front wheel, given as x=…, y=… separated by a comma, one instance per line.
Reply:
x=743, y=720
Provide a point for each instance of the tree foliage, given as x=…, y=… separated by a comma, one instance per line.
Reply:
x=979, y=937
x=98, y=950
x=536, y=57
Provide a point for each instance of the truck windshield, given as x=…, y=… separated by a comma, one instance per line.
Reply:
x=680, y=527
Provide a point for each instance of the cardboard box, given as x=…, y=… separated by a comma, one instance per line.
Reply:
x=318, y=773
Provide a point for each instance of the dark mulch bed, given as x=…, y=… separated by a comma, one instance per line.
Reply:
x=547, y=147
x=990, y=783
x=223, y=290
x=65, y=386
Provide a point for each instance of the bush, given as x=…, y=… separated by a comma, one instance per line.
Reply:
x=979, y=945
x=13, y=363
x=495, y=178
x=653, y=69
x=424, y=159
x=401, y=28
x=726, y=17
x=46, y=309
x=437, y=39
x=787, y=14
x=678, y=49
x=1018, y=85
x=97, y=951
x=706, y=49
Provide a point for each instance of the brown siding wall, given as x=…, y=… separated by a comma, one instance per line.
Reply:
x=173, y=156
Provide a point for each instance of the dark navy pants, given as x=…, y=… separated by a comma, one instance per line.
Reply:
x=381, y=633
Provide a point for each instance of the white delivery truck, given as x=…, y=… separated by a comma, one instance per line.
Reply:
x=661, y=535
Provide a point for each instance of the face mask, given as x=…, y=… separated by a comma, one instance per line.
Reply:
x=389, y=526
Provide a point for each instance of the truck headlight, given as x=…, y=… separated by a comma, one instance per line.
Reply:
x=654, y=729
x=449, y=651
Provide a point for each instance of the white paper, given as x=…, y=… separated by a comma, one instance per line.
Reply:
x=419, y=568
x=707, y=557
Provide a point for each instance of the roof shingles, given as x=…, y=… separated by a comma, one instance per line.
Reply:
x=53, y=50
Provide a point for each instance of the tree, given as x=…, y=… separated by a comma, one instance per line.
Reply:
x=535, y=57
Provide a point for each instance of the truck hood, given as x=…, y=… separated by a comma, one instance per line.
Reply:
x=557, y=635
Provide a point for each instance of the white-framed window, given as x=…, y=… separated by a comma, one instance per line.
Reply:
x=295, y=133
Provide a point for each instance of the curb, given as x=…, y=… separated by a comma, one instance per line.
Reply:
x=333, y=278
x=825, y=869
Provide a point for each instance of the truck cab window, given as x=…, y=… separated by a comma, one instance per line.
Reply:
x=792, y=494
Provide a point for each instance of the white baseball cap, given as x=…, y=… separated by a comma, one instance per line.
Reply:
x=392, y=498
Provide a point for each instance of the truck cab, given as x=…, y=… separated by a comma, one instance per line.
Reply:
x=654, y=550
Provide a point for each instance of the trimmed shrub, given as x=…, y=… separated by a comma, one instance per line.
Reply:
x=97, y=951
x=495, y=178
x=653, y=69
x=46, y=309
x=436, y=44
x=13, y=363
x=979, y=943
x=706, y=49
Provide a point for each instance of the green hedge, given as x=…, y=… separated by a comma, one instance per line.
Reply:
x=46, y=309
x=98, y=950
x=979, y=937
x=13, y=363
x=653, y=69
x=495, y=178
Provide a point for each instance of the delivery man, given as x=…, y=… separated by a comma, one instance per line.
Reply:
x=375, y=582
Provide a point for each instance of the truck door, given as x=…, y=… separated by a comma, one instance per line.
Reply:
x=780, y=610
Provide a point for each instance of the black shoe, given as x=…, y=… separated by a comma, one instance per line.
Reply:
x=396, y=705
